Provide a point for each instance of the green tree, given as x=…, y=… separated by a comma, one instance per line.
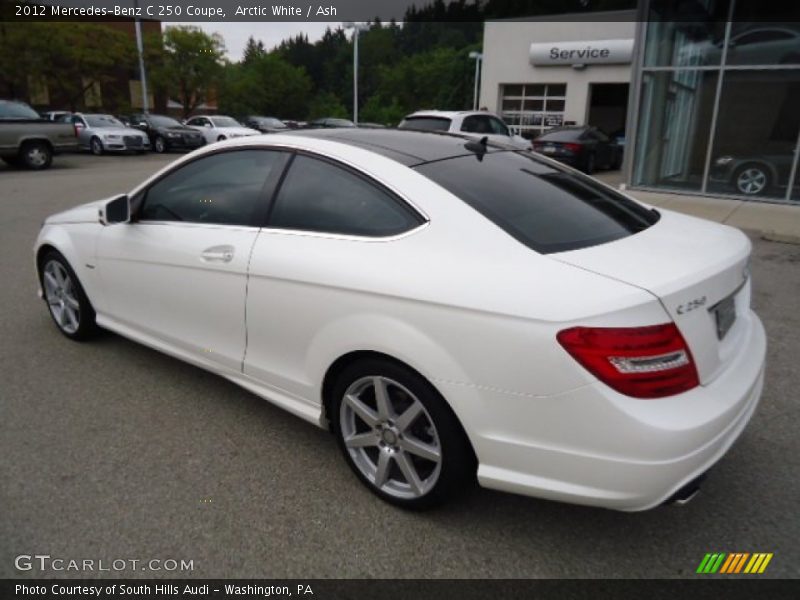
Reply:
x=71, y=57
x=327, y=104
x=265, y=85
x=187, y=64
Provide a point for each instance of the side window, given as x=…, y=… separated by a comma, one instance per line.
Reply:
x=476, y=124
x=223, y=188
x=319, y=196
x=498, y=126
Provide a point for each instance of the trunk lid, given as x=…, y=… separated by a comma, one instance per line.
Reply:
x=697, y=269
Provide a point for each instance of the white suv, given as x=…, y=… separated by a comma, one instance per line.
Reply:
x=473, y=123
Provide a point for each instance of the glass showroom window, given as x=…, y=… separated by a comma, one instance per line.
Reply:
x=532, y=108
x=719, y=100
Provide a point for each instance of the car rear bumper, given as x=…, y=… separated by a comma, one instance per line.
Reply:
x=613, y=451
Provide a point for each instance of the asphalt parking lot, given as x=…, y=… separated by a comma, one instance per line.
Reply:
x=110, y=450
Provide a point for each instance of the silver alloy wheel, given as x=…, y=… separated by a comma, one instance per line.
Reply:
x=97, y=147
x=36, y=156
x=390, y=437
x=61, y=296
x=751, y=181
x=160, y=145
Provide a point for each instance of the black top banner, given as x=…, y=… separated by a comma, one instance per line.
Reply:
x=388, y=10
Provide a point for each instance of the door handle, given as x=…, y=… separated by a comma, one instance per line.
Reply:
x=217, y=254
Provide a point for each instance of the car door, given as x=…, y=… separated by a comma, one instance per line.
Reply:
x=305, y=263
x=177, y=274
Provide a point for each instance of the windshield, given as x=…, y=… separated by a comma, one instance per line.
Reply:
x=17, y=110
x=425, y=123
x=547, y=208
x=161, y=121
x=224, y=122
x=103, y=121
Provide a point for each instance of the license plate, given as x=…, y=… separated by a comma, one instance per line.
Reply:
x=725, y=315
x=549, y=149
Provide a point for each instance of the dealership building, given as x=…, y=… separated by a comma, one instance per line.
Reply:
x=706, y=104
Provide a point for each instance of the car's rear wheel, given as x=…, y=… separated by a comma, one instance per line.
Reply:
x=67, y=302
x=160, y=145
x=96, y=146
x=398, y=434
x=36, y=155
x=751, y=179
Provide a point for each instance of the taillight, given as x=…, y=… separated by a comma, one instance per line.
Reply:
x=572, y=147
x=643, y=362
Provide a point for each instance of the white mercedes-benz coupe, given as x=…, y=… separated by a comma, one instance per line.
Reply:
x=446, y=306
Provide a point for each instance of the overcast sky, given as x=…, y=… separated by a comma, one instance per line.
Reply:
x=236, y=34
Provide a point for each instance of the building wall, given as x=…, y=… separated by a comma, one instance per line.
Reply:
x=505, y=60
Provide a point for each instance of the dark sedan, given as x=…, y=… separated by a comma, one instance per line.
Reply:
x=754, y=174
x=166, y=133
x=265, y=124
x=330, y=122
x=584, y=147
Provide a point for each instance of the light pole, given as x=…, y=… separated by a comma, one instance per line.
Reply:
x=478, y=58
x=138, y=26
x=356, y=27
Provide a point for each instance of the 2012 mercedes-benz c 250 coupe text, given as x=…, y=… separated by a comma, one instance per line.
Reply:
x=448, y=307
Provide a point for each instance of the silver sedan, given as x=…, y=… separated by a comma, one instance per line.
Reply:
x=105, y=133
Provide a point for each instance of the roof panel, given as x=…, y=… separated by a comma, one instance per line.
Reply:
x=404, y=146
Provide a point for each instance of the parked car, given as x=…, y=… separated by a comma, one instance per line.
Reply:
x=583, y=147
x=751, y=46
x=754, y=174
x=166, y=133
x=446, y=307
x=26, y=139
x=55, y=115
x=101, y=133
x=216, y=128
x=295, y=124
x=476, y=124
x=369, y=125
x=330, y=122
x=266, y=124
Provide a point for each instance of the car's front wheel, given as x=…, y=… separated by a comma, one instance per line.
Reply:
x=67, y=302
x=398, y=434
x=160, y=145
x=96, y=146
x=751, y=180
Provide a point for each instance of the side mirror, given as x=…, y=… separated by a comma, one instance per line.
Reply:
x=117, y=210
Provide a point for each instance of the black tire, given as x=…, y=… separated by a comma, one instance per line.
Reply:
x=588, y=164
x=222, y=137
x=36, y=155
x=87, y=326
x=160, y=144
x=457, y=460
x=759, y=179
x=96, y=146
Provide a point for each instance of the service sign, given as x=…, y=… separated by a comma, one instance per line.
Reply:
x=581, y=53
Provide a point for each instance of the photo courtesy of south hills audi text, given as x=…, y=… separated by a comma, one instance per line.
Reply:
x=167, y=590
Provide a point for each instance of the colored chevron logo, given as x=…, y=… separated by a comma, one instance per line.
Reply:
x=735, y=563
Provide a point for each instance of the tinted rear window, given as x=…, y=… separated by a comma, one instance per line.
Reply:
x=544, y=207
x=562, y=135
x=425, y=123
